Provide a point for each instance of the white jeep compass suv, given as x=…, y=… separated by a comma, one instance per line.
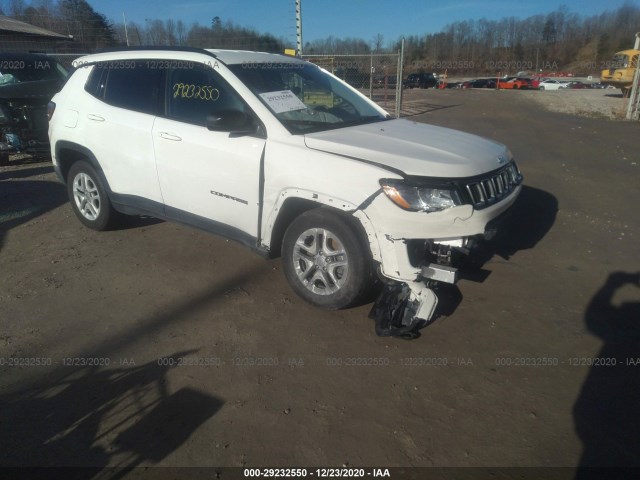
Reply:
x=282, y=156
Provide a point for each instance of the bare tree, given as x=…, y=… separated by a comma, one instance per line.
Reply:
x=378, y=42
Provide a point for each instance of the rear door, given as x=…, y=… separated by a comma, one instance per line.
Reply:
x=118, y=127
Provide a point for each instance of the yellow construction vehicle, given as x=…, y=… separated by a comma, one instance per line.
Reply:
x=622, y=67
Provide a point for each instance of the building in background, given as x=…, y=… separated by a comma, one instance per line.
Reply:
x=17, y=36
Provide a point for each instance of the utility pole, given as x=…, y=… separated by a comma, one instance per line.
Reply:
x=299, y=28
x=634, y=97
x=126, y=34
x=399, y=80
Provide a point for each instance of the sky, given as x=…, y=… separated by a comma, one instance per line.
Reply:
x=341, y=18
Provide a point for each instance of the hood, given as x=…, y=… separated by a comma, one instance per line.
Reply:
x=414, y=148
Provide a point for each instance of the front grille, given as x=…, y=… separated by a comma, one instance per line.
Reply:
x=484, y=192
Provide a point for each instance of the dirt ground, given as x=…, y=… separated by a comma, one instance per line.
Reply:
x=160, y=345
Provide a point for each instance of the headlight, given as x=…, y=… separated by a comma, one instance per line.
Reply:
x=417, y=198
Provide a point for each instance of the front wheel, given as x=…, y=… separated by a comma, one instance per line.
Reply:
x=88, y=197
x=325, y=261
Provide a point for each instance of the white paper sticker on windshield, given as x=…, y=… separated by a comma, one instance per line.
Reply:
x=283, y=101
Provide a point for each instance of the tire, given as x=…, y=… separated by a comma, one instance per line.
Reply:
x=325, y=260
x=541, y=88
x=88, y=197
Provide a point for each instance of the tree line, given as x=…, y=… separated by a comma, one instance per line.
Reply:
x=559, y=40
x=91, y=30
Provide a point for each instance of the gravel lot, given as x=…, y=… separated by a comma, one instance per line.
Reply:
x=160, y=345
x=597, y=103
x=589, y=103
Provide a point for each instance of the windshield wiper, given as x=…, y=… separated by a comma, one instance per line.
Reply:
x=365, y=120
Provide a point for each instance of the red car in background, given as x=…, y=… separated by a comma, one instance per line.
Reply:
x=513, y=83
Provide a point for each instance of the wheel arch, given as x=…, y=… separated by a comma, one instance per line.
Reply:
x=294, y=206
x=68, y=153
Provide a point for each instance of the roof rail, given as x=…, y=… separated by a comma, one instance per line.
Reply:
x=157, y=48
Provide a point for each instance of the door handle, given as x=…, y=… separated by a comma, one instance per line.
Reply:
x=170, y=136
x=97, y=118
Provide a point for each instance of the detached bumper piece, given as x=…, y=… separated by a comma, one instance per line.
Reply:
x=402, y=308
x=440, y=273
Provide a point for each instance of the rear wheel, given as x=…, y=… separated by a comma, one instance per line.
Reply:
x=325, y=261
x=88, y=197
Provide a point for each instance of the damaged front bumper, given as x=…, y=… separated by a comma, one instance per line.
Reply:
x=403, y=307
x=412, y=266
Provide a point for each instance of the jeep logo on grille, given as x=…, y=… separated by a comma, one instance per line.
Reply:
x=502, y=160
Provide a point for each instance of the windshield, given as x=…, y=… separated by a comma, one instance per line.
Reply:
x=19, y=70
x=304, y=98
x=620, y=61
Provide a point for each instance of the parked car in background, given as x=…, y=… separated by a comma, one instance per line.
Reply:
x=575, y=85
x=382, y=81
x=352, y=76
x=421, y=80
x=480, y=83
x=534, y=83
x=27, y=83
x=513, y=83
x=550, y=84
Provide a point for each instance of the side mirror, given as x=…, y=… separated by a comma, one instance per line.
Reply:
x=233, y=121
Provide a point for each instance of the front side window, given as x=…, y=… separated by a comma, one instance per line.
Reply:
x=195, y=91
x=304, y=98
x=133, y=85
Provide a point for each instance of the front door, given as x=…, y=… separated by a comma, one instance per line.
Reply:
x=207, y=178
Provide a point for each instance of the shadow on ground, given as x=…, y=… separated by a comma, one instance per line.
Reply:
x=528, y=221
x=606, y=411
x=120, y=417
x=414, y=108
x=23, y=200
x=26, y=172
x=112, y=413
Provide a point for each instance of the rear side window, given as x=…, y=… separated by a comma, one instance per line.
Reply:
x=95, y=82
x=133, y=85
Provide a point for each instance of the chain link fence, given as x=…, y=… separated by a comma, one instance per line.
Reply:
x=378, y=76
x=633, y=107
